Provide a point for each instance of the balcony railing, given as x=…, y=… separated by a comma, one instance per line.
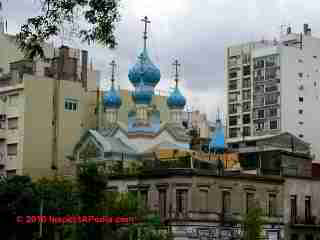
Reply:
x=3, y=133
x=176, y=165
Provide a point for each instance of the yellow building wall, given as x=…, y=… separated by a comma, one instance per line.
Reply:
x=71, y=123
x=38, y=129
x=8, y=52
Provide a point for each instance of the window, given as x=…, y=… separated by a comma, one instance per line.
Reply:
x=233, y=97
x=300, y=74
x=246, y=131
x=293, y=208
x=258, y=63
x=246, y=70
x=13, y=123
x=314, y=56
x=163, y=202
x=272, y=205
x=182, y=201
x=260, y=126
x=233, y=74
x=273, y=112
x=13, y=99
x=71, y=105
x=246, y=106
x=300, y=123
x=271, y=88
x=226, y=202
x=300, y=99
x=2, y=121
x=260, y=113
x=232, y=108
x=246, y=119
x=271, y=61
x=11, y=173
x=233, y=132
x=271, y=99
x=233, y=85
x=246, y=83
x=204, y=200
x=246, y=95
x=301, y=136
x=273, y=124
x=300, y=60
x=307, y=204
x=259, y=75
x=271, y=73
x=250, y=201
x=300, y=111
x=12, y=149
x=144, y=198
x=233, y=120
x=259, y=88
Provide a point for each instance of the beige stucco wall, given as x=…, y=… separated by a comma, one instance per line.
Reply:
x=38, y=131
x=8, y=52
x=70, y=123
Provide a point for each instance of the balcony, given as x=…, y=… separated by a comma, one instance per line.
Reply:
x=178, y=166
x=2, y=160
x=299, y=222
x=3, y=133
x=11, y=162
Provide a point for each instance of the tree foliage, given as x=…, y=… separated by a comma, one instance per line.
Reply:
x=100, y=17
x=253, y=224
x=17, y=199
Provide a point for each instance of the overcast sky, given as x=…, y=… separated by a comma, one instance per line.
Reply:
x=194, y=32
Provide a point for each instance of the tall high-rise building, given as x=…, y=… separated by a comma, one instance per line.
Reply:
x=274, y=87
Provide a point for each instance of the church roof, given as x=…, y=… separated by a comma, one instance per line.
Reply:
x=166, y=145
x=111, y=144
x=175, y=130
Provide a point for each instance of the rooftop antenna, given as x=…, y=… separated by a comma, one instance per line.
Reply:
x=145, y=37
x=113, y=67
x=176, y=65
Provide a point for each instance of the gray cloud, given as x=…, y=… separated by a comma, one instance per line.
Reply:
x=195, y=32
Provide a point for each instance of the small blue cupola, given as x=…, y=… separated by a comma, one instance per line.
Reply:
x=176, y=100
x=111, y=99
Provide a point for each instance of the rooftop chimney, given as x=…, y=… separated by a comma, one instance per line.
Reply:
x=306, y=29
x=288, y=30
x=84, y=68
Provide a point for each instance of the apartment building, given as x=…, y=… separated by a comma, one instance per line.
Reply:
x=44, y=107
x=273, y=87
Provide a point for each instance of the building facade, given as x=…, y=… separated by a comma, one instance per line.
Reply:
x=273, y=87
x=44, y=107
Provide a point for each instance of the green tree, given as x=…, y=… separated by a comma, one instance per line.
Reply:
x=252, y=223
x=148, y=226
x=18, y=201
x=92, y=184
x=57, y=198
x=100, y=17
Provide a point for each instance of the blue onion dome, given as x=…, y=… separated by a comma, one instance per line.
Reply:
x=144, y=70
x=112, y=99
x=176, y=100
x=142, y=95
